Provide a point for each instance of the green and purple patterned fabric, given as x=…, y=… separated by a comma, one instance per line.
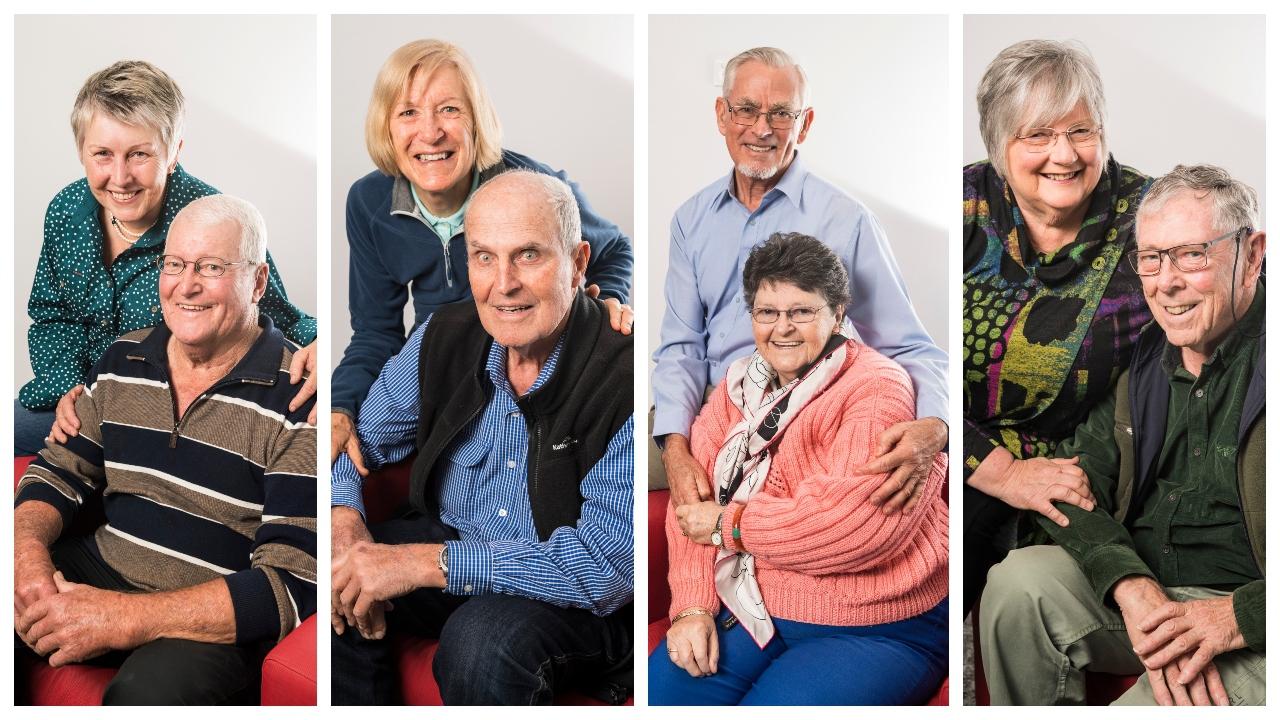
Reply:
x=1045, y=335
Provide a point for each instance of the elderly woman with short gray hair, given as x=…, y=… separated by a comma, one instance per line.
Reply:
x=1051, y=313
x=791, y=587
x=103, y=234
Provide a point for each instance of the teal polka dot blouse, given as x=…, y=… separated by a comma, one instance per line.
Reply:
x=79, y=306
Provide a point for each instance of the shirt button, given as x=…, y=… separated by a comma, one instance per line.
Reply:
x=1200, y=392
x=502, y=512
x=514, y=413
x=1166, y=549
x=1196, y=452
x=512, y=463
x=466, y=588
x=1173, y=496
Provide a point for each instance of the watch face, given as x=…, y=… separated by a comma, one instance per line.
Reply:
x=716, y=537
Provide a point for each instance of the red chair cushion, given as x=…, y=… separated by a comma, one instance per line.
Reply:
x=289, y=670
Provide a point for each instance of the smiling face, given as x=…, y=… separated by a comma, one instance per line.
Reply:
x=522, y=278
x=759, y=152
x=1195, y=308
x=204, y=314
x=126, y=167
x=788, y=347
x=1059, y=180
x=432, y=132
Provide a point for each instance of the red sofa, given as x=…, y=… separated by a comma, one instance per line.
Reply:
x=384, y=493
x=660, y=593
x=288, y=672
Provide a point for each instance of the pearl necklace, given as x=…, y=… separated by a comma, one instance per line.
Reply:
x=124, y=234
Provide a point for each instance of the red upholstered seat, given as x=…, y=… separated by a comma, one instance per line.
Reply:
x=288, y=673
x=660, y=592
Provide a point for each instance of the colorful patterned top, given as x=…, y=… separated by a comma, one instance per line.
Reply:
x=79, y=305
x=1045, y=335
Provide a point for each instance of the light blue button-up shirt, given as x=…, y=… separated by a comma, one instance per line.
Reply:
x=485, y=496
x=706, y=325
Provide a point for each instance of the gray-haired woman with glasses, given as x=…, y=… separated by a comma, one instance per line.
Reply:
x=1051, y=309
x=97, y=276
x=791, y=587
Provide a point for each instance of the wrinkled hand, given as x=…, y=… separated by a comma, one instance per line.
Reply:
x=692, y=644
x=66, y=423
x=906, y=450
x=343, y=439
x=1034, y=484
x=698, y=520
x=32, y=580
x=369, y=574
x=1139, y=598
x=621, y=316
x=304, y=365
x=347, y=528
x=1198, y=630
x=686, y=478
x=79, y=622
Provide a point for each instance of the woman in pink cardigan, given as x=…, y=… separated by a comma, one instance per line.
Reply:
x=790, y=587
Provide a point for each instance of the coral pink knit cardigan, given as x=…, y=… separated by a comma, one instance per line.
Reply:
x=824, y=554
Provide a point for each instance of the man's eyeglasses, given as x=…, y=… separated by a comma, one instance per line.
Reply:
x=1187, y=258
x=1042, y=139
x=777, y=119
x=769, y=316
x=210, y=267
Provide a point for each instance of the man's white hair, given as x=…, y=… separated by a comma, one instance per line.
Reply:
x=215, y=209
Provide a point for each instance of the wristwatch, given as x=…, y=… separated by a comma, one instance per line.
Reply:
x=717, y=538
x=442, y=561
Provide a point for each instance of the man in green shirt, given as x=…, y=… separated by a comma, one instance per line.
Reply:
x=1165, y=573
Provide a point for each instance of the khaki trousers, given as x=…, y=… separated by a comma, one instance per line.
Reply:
x=1042, y=627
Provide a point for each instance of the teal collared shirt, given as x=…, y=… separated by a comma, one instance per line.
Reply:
x=446, y=227
x=79, y=305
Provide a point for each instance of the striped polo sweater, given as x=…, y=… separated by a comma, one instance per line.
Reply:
x=227, y=491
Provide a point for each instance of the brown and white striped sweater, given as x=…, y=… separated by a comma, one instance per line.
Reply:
x=229, y=491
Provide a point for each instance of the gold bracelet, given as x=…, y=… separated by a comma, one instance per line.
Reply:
x=689, y=612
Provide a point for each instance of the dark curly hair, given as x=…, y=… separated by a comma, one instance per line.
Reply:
x=800, y=260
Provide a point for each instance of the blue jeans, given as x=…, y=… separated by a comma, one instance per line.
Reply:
x=494, y=649
x=898, y=663
x=30, y=428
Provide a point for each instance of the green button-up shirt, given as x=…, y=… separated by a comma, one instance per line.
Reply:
x=79, y=306
x=1189, y=528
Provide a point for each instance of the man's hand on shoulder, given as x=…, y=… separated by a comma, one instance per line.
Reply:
x=79, y=622
x=1140, y=597
x=685, y=477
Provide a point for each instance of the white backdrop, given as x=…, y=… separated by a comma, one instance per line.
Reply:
x=562, y=86
x=878, y=86
x=250, y=89
x=1180, y=88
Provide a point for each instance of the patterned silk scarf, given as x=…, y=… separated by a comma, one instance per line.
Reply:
x=743, y=463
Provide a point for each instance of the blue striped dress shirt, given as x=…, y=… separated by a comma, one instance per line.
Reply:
x=485, y=496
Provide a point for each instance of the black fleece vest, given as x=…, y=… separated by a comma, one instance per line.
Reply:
x=571, y=418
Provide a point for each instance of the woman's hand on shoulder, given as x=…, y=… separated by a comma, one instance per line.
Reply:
x=304, y=366
x=692, y=644
x=621, y=316
x=1035, y=483
x=66, y=423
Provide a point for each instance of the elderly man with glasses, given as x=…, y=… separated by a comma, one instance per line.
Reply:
x=763, y=117
x=207, y=480
x=1165, y=575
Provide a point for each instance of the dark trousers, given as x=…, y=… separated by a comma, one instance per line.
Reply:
x=494, y=649
x=989, y=535
x=166, y=671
